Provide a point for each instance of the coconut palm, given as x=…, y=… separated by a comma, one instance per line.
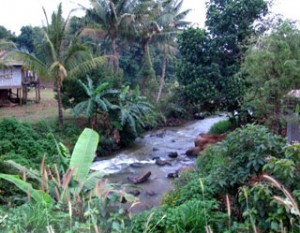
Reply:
x=146, y=27
x=158, y=21
x=112, y=19
x=172, y=20
x=60, y=58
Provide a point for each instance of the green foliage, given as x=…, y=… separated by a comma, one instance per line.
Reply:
x=221, y=127
x=6, y=34
x=59, y=57
x=187, y=188
x=36, y=195
x=271, y=68
x=133, y=109
x=70, y=200
x=192, y=216
x=84, y=153
x=96, y=102
x=74, y=93
x=202, y=82
x=210, y=59
x=27, y=218
x=23, y=144
x=29, y=37
x=239, y=157
x=196, y=74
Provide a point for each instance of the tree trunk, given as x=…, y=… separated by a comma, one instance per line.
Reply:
x=147, y=73
x=147, y=57
x=115, y=55
x=163, y=75
x=60, y=106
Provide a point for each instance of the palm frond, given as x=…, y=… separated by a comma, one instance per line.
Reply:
x=7, y=45
x=31, y=62
x=88, y=65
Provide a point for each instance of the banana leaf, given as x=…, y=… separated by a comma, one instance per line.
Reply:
x=35, y=194
x=83, y=154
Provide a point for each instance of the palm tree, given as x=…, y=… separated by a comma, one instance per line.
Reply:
x=60, y=58
x=146, y=27
x=172, y=21
x=113, y=20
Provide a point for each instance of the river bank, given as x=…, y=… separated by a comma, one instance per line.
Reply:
x=142, y=156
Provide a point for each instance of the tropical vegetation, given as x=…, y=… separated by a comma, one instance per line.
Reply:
x=128, y=66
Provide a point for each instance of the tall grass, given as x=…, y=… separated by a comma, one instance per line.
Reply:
x=223, y=126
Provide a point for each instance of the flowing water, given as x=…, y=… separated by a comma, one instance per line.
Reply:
x=138, y=159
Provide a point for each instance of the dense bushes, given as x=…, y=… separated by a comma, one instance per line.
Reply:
x=191, y=216
x=68, y=199
x=21, y=143
x=238, y=158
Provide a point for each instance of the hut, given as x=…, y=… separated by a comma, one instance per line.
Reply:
x=293, y=116
x=15, y=82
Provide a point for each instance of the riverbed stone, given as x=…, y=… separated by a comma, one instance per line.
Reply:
x=173, y=155
x=135, y=192
x=150, y=193
x=140, y=178
x=193, y=151
x=173, y=175
x=161, y=162
x=136, y=165
x=155, y=149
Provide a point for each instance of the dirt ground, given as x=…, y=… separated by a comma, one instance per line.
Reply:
x=31, y=111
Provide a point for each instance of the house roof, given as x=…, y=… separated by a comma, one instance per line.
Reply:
x=3, y=54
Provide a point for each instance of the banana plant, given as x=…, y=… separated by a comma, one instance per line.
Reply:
x=75, y=179
x=96, y=102
x=133, y=108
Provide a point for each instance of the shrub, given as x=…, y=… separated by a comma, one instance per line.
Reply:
x=221, y=127
x=242, y=155
x=21, y=143
x=192, y=216
x=187, y=187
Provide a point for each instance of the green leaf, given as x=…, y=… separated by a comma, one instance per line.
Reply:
x=84, y=153
x=92, y=179
x=101, y=88
x=37, y=195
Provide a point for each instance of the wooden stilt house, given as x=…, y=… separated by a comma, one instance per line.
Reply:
x=15, y=82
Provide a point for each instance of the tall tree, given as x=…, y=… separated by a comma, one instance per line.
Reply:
x=230, y=23
x=147, y=26
x=28, y=37
x=110, y=19
x=61, y=58
x=271, y=68
x=7, y=34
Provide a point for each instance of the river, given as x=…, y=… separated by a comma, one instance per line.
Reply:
x=138, y=159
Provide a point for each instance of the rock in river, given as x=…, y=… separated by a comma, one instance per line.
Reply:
x=141, y=178
x=173, y=155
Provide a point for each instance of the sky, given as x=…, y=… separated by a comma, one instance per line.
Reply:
x=17, y=13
